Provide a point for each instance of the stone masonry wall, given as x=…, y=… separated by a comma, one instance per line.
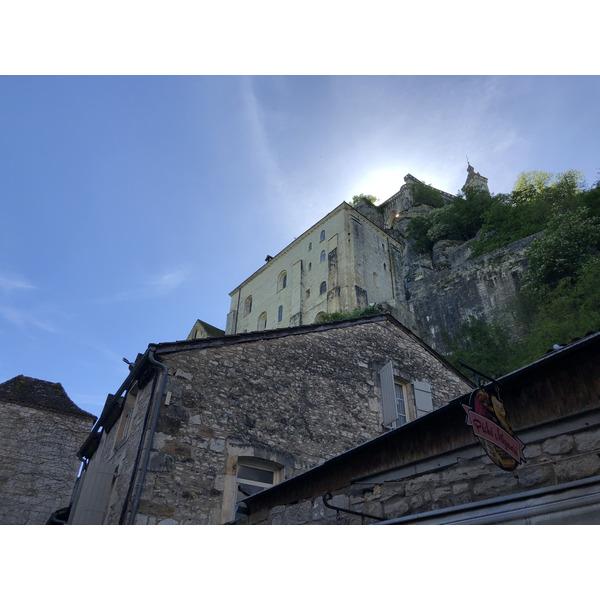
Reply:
x=38, y=462
x=295, y=400
x=550, y=461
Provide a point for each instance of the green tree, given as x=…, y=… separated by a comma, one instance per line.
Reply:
x=571, y=239
x=364, y=198
x=425, y=194
x=481, y=345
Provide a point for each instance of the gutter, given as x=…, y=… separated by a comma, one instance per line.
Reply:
x=95, y=432
x=147, y=440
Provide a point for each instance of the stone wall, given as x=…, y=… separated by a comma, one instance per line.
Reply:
x=467, y=477
x=38, y=462
x=294, y=398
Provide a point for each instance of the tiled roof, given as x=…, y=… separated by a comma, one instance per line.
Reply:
x=39, y=394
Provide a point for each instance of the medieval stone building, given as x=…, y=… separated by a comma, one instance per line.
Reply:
x=358, y=256
x=201, y=424
x=41, y=430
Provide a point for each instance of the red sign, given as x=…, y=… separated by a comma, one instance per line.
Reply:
x=485, y=414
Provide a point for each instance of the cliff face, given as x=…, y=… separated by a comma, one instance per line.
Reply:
x=446, y=289
x=453, y=287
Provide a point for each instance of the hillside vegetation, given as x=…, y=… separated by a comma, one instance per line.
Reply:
x=560, y=299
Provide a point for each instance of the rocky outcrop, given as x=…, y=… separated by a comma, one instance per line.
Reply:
x=448, y=288
x=454, y=287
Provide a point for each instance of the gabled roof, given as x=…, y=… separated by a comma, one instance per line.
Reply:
x=40, y=394
x=207, y=328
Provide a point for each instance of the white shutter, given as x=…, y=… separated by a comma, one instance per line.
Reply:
x=423, y=399
x=388, y=396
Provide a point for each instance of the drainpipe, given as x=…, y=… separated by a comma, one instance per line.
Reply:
x=138, y=454
x=146, y=458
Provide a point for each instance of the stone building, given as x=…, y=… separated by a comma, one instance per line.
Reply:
x=357, y=256
x=343, y=262
x=201, y=424
x=434, y=470
x=41, y=430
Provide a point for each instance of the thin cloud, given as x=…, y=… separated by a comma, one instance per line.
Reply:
x=8, y=284
x=21, y=317
x=257, y=122
x=160, y=284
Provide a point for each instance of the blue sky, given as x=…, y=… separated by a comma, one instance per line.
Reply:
x=133, y=205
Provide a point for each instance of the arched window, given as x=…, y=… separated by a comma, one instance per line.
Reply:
x=262, y=321
x=309, y=266
x=323, y=287
x=322, y=238
x=310, y=246
x=248, y=306
x=282, y=280
x=280, y=314
x=323, y=256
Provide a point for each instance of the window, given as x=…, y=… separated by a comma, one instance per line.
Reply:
x=322, y=237
x=255, y=475
x=309, y=266
x=323, y=256
x=400, y=400
x=400, y=395
x=262, y=321
x=323, y=287
x=310, y=246
x=308, y=293
x=423, y=398
x=280, y=314
x=282, y=281
x=248, y=306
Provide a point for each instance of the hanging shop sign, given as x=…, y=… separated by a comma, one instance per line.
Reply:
x=485, y=414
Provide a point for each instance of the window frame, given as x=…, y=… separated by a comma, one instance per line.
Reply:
x=282, y=281
x=248, y=305
x=253, y=463
x=262, y=317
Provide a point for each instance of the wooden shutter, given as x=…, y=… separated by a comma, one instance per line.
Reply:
x=388, y=396
x=423, y=399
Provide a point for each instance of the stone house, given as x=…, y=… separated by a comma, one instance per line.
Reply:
x=200, y=425
x=41, y=430
x=434, y=470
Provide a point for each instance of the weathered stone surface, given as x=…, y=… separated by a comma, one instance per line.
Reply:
x=558, y=445
x=38, y=460
x=473, y=480
x=297, y=400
